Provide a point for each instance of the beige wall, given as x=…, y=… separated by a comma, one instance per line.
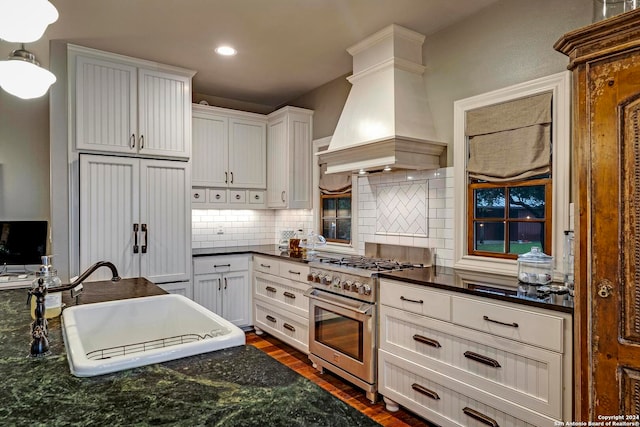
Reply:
x=24, y=158
x=507, y=43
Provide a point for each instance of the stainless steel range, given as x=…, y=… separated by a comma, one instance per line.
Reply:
x=343, y=318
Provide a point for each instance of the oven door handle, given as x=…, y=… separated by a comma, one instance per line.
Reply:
x=334, y=300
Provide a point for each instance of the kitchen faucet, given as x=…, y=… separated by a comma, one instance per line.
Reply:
x=39, y=331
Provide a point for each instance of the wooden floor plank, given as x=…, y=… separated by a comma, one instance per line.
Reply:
x=343, y=390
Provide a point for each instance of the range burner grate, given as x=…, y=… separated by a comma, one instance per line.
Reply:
x=373, y=264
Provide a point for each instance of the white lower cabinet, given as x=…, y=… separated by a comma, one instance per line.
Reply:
x=472, y=361
x=221, y=284
x=180, y=288
x=281, y=308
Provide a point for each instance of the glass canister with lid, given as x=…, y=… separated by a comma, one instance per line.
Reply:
x=535, y=267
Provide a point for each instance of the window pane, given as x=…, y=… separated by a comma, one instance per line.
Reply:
x=524, y=235
x=489, y=202
x=489, y=236
x=329, y=207
x=329, y=229
x=344, y=207
x=527, y=202
x=344, y=229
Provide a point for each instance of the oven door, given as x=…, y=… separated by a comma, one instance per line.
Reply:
x=342, y=332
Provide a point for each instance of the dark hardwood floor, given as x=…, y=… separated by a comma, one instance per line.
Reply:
x=343, y=390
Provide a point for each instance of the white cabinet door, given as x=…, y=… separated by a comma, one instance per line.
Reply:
x=277, y=162
x=289, y=159
x=165, y=221
x=106, y=106
x=118, y=194
x=207, y=291
x=210, y=150
x=109, y=206
x=180, y=288
x=236, y=298
x=164, y=114
x=247, y=154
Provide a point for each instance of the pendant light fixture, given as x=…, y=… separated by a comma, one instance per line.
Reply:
x=22, y=76
x=25, y=21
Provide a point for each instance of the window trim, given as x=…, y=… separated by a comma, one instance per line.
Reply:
x=322, y=144
x=560, y=85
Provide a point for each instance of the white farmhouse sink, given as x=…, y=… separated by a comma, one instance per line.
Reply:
x=116, y=335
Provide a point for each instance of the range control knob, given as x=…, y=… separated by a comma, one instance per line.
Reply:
x=326, y=279
x=346, y=285
x=365, y=290
x=311, y=277
x=336, y=282
x=356, y=287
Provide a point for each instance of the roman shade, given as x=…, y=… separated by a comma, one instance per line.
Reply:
x=510, y=141
x=335, y=183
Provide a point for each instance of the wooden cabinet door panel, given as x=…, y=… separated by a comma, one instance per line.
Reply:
x=236, y=304
x=210, y=151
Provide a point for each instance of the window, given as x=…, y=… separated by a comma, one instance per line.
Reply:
x=499, y=217
x=508, y=219
x=335, y=218
x=335, y=205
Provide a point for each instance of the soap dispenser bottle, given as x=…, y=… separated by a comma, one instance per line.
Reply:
x=53, y=299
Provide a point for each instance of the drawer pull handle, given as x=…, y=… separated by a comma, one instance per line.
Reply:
x=221, y=265
x=482, y=359
x=290, y=295
x=514, y=324
x=480, y=417
x=294, y=272
x=289, y=327
x=271, y=319
x=427, y=341
x=423, y=390
x=270, y=289
x=265, y=266
x=411, y=300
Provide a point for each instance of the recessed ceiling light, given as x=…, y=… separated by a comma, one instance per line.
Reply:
x=226, y=51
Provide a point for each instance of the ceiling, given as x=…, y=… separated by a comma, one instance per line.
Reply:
x=285, y=47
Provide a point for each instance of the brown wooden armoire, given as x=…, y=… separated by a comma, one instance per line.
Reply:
x=605, y=61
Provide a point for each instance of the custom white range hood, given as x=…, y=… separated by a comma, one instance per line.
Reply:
x=386, y=122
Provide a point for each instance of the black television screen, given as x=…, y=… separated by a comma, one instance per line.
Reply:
x=22, y=242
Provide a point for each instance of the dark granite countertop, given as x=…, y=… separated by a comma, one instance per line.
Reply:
x=479, y=284
x=268, y=250
x=240, y=386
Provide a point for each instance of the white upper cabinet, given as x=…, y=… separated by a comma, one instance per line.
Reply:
x=289, y=158
x=229, y=148
x=125, y=105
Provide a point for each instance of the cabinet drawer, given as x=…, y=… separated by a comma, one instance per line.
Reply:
x=282, y=293
x=266, y=265
x=445, y=401
x=198, y=195
x=529, y=376
x=527, y=326
x=288, y=327
x=237, y=196
x=294, y=271
x=256, y=197
x=219, y=264
x=217, y=196
x=415, y=299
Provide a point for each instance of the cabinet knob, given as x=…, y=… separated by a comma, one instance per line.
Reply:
x=237, y=197
x=196, y=195
x=605, y=288
x=257, y=197
x=218, y=196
